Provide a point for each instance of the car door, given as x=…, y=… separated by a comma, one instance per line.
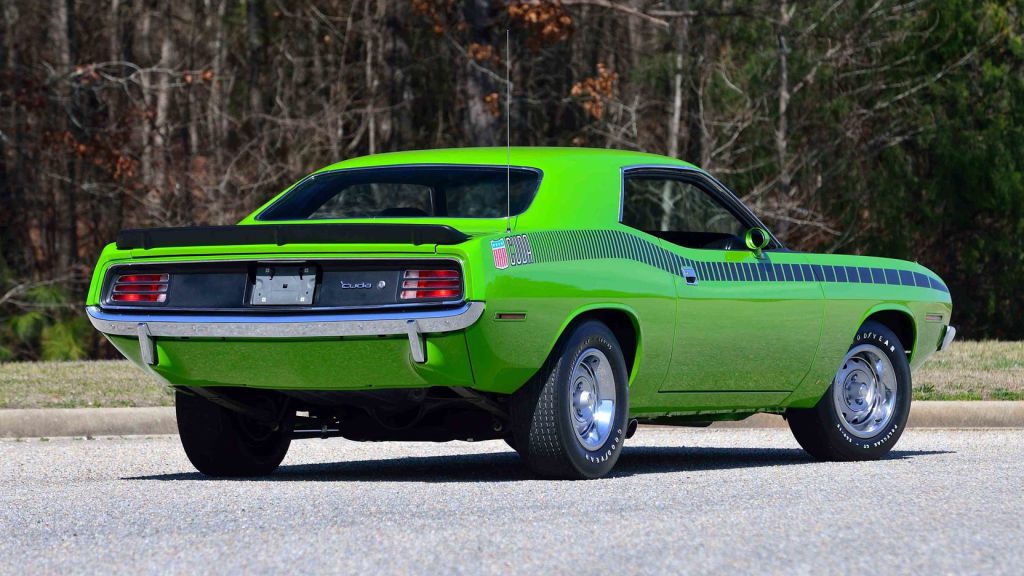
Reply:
x=743, y=323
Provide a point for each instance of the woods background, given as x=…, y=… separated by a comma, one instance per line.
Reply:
x=886, y=127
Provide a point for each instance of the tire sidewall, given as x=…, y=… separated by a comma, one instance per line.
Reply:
x=592, y=463
x=215, y=441
x=878, y=445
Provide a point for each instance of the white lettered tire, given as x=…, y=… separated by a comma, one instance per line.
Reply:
x=865, y=410
x=570, y=420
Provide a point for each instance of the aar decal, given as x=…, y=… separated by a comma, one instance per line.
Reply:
x=512, y=251
x=500, y=254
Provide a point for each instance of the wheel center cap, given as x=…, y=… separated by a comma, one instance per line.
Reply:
x=584, y=400
x=859, y=391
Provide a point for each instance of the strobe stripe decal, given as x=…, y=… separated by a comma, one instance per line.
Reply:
x=572, y=245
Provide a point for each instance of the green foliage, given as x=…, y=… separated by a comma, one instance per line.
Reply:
x=953, y=197
x=43, y=323
x=27, y=326
x=66, y=339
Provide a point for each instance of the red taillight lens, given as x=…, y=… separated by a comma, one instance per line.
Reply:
x=431, y=284
x=139, y=297
x=141, y=288
x=143, y=278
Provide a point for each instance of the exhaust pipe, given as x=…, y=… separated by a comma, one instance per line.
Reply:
x=631, y=428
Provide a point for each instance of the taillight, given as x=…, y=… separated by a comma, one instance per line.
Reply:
x=431, y=284
x=140, y=288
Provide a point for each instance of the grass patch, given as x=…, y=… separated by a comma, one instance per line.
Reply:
x=985, y=370
x=967, y=371
x=106, y=383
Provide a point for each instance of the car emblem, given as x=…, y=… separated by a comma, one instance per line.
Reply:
x=500, y=253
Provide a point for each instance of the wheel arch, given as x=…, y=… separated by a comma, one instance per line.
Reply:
x=897, y=318
x=620, y=319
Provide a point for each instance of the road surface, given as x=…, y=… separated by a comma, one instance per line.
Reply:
x=680, y=500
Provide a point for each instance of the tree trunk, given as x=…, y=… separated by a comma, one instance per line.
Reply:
x=257, y=29
x=215, y=113
x=478, y=123
x=161, y=131
x=675, y=117
x=65, y=44
x=782, y=126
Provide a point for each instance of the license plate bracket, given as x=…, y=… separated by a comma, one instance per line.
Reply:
x=284, y=285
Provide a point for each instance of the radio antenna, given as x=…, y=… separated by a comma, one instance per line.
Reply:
x=508, y=135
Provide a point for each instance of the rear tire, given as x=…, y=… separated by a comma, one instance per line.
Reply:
x=570, y=420
x=865, y=410
x=222, y=442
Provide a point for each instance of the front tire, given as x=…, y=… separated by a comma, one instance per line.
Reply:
x=865, y=410
x=222, y=442
x=570, y=420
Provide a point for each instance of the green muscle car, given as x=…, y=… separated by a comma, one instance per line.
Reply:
x=553, y=301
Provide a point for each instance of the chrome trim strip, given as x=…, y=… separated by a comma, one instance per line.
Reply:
x=948, y=338
x=285, y=326
x=146, y=348
x=415, y=342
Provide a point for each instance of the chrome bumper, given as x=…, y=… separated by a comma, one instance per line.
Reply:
x=947, y=339
x=147, y=326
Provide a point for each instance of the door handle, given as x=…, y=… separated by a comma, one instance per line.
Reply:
x=690, y=275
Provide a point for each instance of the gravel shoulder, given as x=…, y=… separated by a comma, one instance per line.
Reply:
x=702, y=501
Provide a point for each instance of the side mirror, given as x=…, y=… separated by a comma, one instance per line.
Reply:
x=756, y=239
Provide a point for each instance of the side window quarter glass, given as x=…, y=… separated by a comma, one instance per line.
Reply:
x=680, y=211
x=644, y=204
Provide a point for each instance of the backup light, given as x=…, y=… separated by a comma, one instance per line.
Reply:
x=141, y=288
x=431, y=284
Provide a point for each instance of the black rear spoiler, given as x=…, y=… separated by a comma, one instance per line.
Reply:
x=281, y=234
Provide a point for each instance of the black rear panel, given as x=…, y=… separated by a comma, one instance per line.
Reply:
x=229, y=286
x=281, y=234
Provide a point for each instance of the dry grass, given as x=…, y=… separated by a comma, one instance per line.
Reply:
x=987, y=370
x=967, y=371
x=78, y=385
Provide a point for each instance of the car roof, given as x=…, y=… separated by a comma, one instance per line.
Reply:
x=529, y=156
x=580, y=187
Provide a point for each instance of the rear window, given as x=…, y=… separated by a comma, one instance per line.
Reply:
x=407, y=192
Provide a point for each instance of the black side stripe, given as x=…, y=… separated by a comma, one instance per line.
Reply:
x=573, y=245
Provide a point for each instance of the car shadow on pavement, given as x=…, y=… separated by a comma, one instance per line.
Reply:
x=508, y=467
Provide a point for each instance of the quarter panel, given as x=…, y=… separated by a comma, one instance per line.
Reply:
x=568, y=276
x=849, y=303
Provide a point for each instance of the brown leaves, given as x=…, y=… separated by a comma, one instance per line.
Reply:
x=188, y=76
x=435, y=11
x=493, y=102
x=547, y=21
x=595, y=90
x=483, y=53
x=104, y=151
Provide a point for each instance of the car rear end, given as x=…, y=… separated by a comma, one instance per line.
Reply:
x=301, y=315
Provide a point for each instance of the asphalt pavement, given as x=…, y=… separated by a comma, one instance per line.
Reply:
x=679, y=501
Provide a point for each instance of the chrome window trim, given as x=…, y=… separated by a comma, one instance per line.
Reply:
x=722, y=191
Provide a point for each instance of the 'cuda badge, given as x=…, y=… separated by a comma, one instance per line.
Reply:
x=358, y=285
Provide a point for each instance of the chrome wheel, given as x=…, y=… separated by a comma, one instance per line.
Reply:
x=864, y=391
x=592, y=395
